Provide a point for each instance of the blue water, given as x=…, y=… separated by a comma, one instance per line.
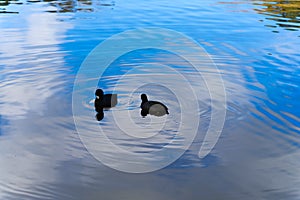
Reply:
x=254, y=44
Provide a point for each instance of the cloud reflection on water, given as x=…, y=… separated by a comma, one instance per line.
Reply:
x=33, y=65
x=31, y=77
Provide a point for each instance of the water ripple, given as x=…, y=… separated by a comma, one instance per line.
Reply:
x=42, y=47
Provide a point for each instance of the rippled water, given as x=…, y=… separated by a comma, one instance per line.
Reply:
x=255, y=45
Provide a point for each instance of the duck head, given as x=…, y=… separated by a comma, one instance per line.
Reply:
x=99, y=94
x=144, y=98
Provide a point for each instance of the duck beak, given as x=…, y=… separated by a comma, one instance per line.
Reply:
x=97, y=97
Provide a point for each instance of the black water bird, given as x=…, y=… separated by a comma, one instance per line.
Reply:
x=152, y=107
x=105, y=100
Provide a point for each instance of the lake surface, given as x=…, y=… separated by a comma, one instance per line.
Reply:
x=253, y=44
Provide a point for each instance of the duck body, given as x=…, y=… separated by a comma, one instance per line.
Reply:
x=108, y=101
x=152, y=107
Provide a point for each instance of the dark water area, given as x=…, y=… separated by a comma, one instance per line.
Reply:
x=255, y=46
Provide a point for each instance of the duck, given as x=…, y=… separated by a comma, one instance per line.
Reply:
x=152, y=107
x=104, y=100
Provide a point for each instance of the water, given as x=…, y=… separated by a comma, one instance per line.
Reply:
x=255, y=46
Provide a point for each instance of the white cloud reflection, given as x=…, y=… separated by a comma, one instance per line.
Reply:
x=33, y=62
x=30, y=75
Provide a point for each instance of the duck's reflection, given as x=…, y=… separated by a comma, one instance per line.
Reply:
x=100, y=115
x=104, y=101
